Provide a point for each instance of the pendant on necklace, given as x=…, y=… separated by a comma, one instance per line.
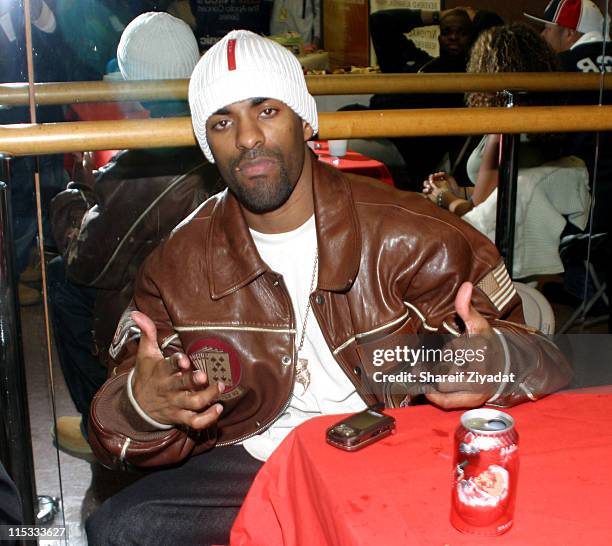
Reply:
x=302, y=375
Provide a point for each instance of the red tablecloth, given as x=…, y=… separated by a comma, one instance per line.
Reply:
x=354, y=162
x=397, y=491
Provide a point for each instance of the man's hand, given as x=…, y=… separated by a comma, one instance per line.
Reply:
x=461, y=394
x=167, y=389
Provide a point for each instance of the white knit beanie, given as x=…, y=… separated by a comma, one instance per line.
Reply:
x=242, y=66
x=157, y=46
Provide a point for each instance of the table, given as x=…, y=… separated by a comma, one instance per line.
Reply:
x=397, y=491
x=354, y=162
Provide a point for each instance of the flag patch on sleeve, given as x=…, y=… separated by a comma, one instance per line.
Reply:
x=498, y=286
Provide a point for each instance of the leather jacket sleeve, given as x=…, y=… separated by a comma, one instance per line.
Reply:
x=538, y=365
x=117, y=434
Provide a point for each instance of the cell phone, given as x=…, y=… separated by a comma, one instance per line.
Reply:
x=360, y=430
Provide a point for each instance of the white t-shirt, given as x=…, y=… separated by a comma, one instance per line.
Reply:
x=330, y=391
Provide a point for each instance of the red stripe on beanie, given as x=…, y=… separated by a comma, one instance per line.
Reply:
x=231, y=54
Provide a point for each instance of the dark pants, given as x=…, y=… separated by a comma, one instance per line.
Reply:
x=10, y=503
x=72, y=318
x=53, y=179
x=195, y=503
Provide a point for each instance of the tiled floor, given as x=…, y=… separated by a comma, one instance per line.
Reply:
x=79, y=496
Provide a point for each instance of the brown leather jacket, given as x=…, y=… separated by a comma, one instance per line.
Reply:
x=389, y=262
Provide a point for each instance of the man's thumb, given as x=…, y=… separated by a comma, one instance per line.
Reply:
x=148, y=341
x=475, y=323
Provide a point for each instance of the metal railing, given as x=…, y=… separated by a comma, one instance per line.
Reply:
x=49, y=138
x=14, y=94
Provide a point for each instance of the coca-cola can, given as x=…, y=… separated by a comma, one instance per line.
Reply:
x=486, y=468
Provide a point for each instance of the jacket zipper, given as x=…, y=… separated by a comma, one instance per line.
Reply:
x=340, y=364
x=288, y=401
x=342, y=367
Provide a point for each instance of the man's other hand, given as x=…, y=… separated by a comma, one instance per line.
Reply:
x=461, y=394
x=168, y=389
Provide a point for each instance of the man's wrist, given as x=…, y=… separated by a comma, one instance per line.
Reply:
x=430, y=17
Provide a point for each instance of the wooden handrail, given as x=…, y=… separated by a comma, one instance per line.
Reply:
x=48, y=138
x=335, y=84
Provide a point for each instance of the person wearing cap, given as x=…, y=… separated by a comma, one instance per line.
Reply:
x=106, y=224
x=575, y=30
x=256, y=312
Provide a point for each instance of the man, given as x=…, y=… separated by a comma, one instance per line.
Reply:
x=577, y=31
x=396, y=53
x=106, y=226
x=276, y=290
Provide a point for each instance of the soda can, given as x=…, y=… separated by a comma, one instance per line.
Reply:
x=486, y=467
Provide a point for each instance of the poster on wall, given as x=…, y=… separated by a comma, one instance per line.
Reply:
x=424, y=37
x=215, y=18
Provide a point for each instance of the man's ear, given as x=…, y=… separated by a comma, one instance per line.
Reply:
x=307, y=130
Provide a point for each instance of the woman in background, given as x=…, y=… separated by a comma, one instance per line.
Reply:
x=510, y=48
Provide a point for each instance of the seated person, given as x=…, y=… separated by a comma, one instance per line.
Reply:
x=398, y=54
x=105, y=226
x=253, y=314
x=575, y=30
x=550, y=189
x=511, y=48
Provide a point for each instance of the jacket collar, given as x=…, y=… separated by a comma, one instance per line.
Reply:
x=232, y=260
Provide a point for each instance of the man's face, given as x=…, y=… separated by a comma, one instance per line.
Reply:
x=556, y=36
x=258, y=145
x=456, y=35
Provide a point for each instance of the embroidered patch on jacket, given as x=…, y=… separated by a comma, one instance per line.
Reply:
x=220, y=362
x=126, y=331
x=498, y=287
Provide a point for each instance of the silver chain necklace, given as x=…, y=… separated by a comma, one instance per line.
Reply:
x=302, y=374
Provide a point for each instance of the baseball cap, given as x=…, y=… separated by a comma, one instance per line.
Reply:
x=581, y=15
